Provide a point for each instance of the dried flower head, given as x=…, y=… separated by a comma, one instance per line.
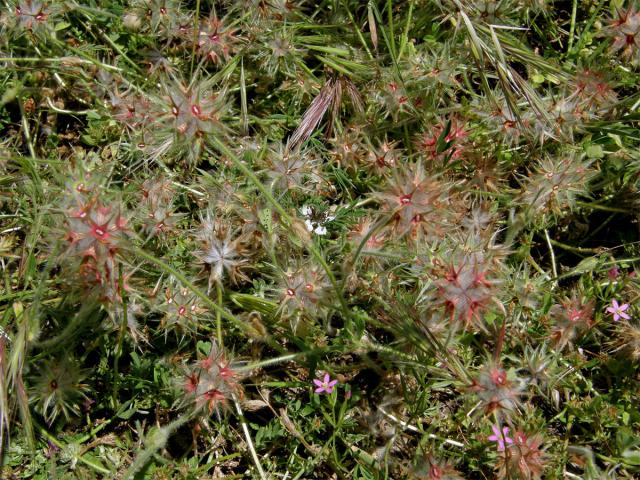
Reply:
x=280, y=52
x=497, y=389
x=212, y=381
x=35, y=16
x=186, y=119
x=541, y=366
x=180, y=309
x=445, y=141
x=156, y=208
x=216, y=41
x=222, y=250
x=466, y=288
x=303, y=291
x=58, y=389
x=572, y=317
x=348, y=149
x=165, y=18
x=428, y=468
x=394, y=100
x=556, y=184
x=435, y=68
x=509, y=123
x=289, y=170
x=368, y=236
x=95, y=230
x=382, y=159
x=593, y=91
x=417, y=203
x=133, y=110
x=624, y=29
x=523, y=459
x=196, y=112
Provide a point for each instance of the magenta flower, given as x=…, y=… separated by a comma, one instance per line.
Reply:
x=618, y=310
x=500, y=438
x=325, y=385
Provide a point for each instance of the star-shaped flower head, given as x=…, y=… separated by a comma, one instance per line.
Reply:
x=325, y=385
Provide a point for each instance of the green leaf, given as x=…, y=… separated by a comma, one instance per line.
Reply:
x=586, y=265
x=595, y=151
x=537, y=78
x=10, y=94
x=127, y=414
x=266, y=219
x=204, y=347
x=88, y=140
x=631, y=457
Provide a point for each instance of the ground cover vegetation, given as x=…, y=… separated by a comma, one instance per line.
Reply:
x=337, y=239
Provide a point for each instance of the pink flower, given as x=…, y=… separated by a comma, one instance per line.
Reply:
x=325, y=385
x=618, y=310
x=500, y=438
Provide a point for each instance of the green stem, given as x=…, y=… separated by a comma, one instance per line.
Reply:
x=604, y=208
x=574, y=273
x=14, y=295
x=391, y=28
x=27, y=133
x=74, y=60
x=271, y=361
x=588, y=25
x=358, y=32
x=196, y=32
x=218, y=316
x=572, y=29
x=123, y=327
x=405, y=35
x=374, y=229
x=570, y=248
x=553, y=256
x=536, y=266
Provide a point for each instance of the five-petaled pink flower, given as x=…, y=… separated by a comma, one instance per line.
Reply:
x=618, y=310
x=500, y=438
x=325, y=385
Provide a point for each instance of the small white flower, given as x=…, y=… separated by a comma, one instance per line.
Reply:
x=313, y=224
x=309, y=224
x=4, y=335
